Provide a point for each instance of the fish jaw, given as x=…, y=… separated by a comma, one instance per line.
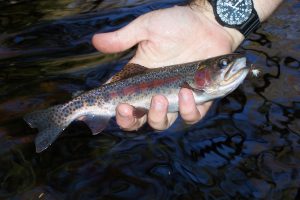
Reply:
x=236, y=69
x=226, y=81
x=235, y=76
x=213, y=71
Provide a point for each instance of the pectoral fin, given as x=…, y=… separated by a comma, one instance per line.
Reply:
x=186, y=85
x=96, y=123
x=196, y=91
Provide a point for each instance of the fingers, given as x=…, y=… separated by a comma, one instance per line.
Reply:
x=125, y=118
x=189, y=111
x=121, y=39
x=158, y=116
x=203, y=108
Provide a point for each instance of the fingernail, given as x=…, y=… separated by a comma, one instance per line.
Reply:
x=123, y=114
x=184, y=96
x=158, y=105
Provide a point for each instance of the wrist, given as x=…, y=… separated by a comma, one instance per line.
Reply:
x=205, y=8
x=263, y=8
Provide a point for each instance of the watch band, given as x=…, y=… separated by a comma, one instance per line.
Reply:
x=251, y=24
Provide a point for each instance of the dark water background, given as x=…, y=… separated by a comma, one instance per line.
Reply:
x=248, y=147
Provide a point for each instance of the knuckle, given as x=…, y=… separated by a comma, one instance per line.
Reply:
x=158, y=124
x=186, y=112
x=191, y=118
x=125, y=124
x=192, y=121
x=154, y=122
x=135, y=125
x=155, y=119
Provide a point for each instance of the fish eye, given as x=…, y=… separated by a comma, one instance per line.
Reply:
x=223, y=63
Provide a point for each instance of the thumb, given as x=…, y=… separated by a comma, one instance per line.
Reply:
x=122, y=39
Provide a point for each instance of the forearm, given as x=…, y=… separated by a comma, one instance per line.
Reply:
x=264, y=9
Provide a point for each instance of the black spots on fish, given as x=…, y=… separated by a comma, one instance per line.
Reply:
x=72, y=108
x=56, y=116
x=90, y=101
x=78, y=104
x=68, y=110
x=65, y=115
x=104, y=98
x=74, y=105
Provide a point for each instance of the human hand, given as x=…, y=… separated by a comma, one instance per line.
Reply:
x=165, y=37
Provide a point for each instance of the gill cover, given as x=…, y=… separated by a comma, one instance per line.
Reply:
x=212, y=70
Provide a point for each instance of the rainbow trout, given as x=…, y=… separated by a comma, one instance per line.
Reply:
x=208, y=79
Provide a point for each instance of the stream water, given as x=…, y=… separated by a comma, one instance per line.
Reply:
x=248, y=146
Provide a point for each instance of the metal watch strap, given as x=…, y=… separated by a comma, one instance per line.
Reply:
x=247, y=27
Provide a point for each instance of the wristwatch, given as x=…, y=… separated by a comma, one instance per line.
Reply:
x=238, y=14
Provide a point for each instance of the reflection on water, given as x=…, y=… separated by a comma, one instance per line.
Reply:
x=248, y=147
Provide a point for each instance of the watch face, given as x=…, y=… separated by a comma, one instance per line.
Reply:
x=234, y=12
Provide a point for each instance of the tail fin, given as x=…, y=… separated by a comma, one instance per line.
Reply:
x=46, y=121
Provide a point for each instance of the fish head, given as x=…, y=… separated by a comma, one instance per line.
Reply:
x=221, y=75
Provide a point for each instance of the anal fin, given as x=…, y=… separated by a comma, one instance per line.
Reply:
x=96, y=123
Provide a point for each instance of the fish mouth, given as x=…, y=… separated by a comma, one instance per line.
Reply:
x=236, y=73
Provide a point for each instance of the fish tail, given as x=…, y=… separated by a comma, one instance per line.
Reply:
x=49, y=124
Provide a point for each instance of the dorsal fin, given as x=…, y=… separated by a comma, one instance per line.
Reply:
x=129, y=70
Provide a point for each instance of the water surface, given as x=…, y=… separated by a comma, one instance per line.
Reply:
x=248, y=147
